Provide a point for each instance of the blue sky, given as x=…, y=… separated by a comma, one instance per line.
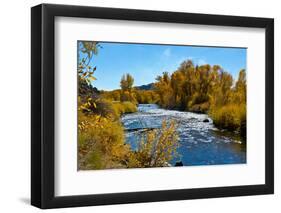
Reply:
x=145, y=61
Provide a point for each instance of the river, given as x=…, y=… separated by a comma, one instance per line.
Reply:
x=200, y=143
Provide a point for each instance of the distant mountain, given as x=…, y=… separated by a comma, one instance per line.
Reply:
x=146, y=87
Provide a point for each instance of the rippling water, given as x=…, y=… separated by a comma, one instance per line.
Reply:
x=200, y=142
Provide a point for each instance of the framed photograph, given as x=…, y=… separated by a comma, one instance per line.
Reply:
x=139, y=106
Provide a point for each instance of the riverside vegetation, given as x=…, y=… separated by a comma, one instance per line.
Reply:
x=202, y=89
x=101, y=141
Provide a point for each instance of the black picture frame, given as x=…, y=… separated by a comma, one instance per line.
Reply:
x=43, y=102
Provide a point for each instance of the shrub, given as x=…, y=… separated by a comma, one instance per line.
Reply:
x=111, y=95
x=156, y=148
x=129, y=107
x=100, y=134
x=101, y=143
x=146, y=96
x=230, y=116
x=107, y=108
x=124, y=107
x=128, y=96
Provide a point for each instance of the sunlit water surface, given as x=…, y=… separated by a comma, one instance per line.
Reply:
x=200, y=142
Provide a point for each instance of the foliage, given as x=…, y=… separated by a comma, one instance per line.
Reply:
x=156, y=148
x=127, y=82
x=146, y=96
x=229, y=111
x=100, y=133
x=101, y=139
x=113, y=95
x=124, y=107
x=101, y=143
x=136, y=96
x=128, y=96
x=205, y=89
x=229, y=116
x=87, y=50
x=165, y=91
x=126, y=85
